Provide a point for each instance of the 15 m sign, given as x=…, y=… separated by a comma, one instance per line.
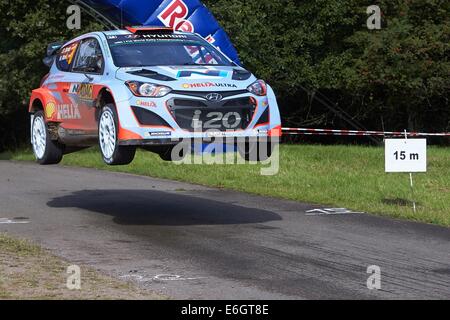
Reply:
x=406, y=155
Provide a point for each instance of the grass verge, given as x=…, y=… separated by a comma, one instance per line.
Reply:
x=337, y=176
x=29, y=272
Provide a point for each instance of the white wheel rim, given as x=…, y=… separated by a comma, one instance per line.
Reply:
x=107, y=134
x=39, y=137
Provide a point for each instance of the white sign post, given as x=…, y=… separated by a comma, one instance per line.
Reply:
x=406, y=155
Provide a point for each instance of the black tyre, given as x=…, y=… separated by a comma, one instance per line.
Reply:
x=258, y=151
x=45, y=149
x=167, y=153
x=113, y=154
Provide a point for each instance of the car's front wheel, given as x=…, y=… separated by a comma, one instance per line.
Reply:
x=257, y=150
x=108, y=130
x=45, y=149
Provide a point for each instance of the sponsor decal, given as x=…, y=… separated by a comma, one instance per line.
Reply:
x=208, y=73
x=83, y=90
x=263, y=132
x=74, y=87
x=68, y=53
x=214, y=134
x=145, y=38
x=86, y=91
x=160, y=133
x=68, y=112
x=50, y=110
x=164, y=36
x=208, y=85
x=143, y=103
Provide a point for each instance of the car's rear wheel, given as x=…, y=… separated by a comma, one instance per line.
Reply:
x=108, y=130
x=45, y=149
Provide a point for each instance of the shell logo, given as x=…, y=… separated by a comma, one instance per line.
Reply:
x=50, y=110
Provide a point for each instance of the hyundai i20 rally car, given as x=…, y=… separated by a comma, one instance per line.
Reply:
x=149, y=88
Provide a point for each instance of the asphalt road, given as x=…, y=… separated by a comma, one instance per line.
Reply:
x=193, y=242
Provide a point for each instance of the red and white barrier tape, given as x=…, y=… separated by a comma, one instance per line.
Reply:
x=332, y=132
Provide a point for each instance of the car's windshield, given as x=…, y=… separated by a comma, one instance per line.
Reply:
x=163, y=50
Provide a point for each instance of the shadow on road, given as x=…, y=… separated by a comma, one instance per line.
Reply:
x=148, y=207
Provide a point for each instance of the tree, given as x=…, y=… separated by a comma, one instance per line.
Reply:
x=400, y=73
x=26, y=28
x=304, y=49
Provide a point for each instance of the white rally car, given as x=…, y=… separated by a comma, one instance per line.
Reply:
x=145, y=87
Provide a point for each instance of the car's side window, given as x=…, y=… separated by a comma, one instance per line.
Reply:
x=65, y=57
x=89, y=58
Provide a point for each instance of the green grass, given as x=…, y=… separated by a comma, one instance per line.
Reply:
x=337, y=176
x=28, y=271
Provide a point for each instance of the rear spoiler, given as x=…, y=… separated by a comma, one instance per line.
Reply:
x=52, y=50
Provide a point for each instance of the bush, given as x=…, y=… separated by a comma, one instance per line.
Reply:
x=306, y=50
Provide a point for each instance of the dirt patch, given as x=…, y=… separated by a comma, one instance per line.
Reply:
x=29, y=272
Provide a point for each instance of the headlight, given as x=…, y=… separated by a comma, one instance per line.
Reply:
x=141, y=89
x=258, y=88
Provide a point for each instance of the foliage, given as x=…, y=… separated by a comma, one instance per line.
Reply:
x=304, y=49
x=26, y=28
x=400, y=73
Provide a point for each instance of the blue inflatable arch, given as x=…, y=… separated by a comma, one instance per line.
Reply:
x=185, y=15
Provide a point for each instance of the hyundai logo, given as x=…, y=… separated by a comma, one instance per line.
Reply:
x=214, y=97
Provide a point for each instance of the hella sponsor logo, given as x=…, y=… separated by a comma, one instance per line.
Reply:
x=208, y=85
x=68, y=112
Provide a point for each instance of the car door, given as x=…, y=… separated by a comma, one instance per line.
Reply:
x=60, y=109
x=80, y=91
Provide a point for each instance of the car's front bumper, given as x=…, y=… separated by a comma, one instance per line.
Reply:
x=164, y=128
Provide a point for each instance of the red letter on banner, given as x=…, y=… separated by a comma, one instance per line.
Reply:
x=176, y=10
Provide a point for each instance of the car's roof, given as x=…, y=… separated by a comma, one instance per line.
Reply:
x=116, y=32
x=125, y=32
x=113, y=33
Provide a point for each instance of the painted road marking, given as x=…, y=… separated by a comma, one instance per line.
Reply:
x=329, y=211
x=159, y=277
x=14, y=220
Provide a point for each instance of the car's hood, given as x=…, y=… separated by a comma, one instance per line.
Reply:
x=196, y=78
